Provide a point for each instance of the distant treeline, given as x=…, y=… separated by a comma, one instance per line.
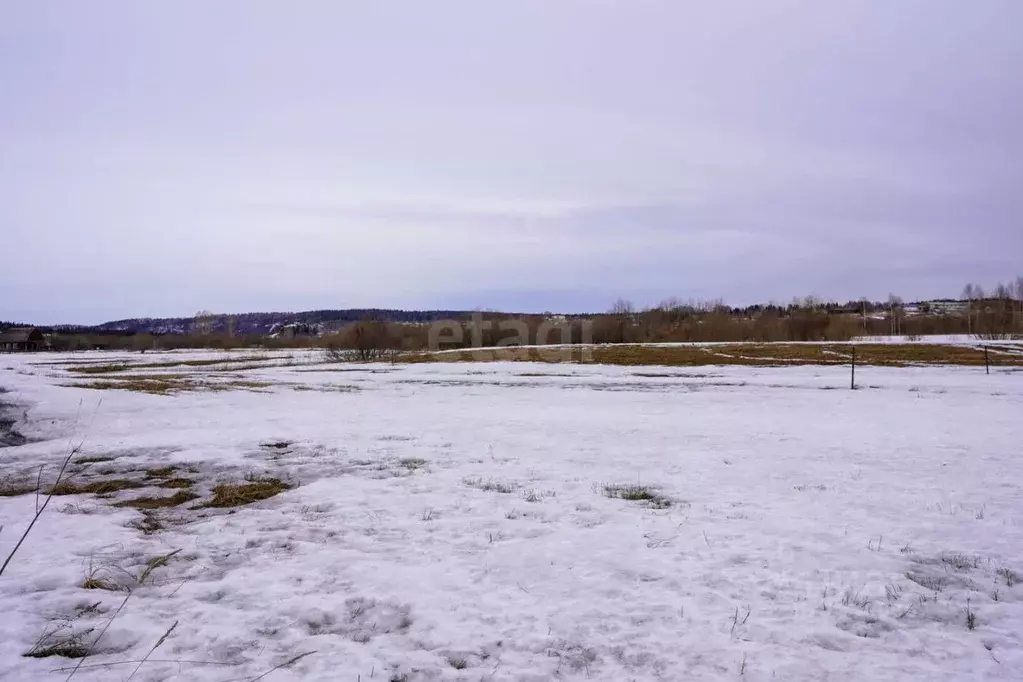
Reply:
x=370, y=337
x=988, y=318
x=262, y=324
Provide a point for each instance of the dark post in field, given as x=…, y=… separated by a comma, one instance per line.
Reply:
x=852, y=380
x=987, y=364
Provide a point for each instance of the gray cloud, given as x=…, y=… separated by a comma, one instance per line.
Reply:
x=534, y=155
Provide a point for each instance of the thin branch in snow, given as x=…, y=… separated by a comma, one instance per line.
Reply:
x=155, y=647
x=111, y=664
x=102, y=632
x=289, y=662
x=39, y=485
x=41, y=508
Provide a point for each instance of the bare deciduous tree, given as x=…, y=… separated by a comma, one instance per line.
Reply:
x=896, y=313
x=623, y=307
x=203, y=325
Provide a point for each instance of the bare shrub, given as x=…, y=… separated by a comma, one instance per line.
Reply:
x=971, y=617
x=959, y=562
x=363, y=341
x=1009, y=576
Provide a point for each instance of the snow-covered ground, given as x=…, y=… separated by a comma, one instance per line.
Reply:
x=449, y=522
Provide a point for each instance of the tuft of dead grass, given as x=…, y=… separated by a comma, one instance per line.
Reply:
x=155, y=563
x=636, y=493
x=489, y=485
x=94, y=582
x=72, y=645
x=149, y=523
x=412, y=463
x=535, y=496
x=253, y=490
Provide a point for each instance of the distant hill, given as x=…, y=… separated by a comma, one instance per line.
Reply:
x=261, y=324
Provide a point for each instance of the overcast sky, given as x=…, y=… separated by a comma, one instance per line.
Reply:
x=160, y=158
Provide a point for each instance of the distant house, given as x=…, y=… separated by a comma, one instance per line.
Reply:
x=948, y=307
x=25, y=339
x=295, y=330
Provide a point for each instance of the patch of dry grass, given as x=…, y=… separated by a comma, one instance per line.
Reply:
x=163, y=376
x=93, y=460
x=175, y=483
x=174, y=500
x=162, y=472
x=243, y=384
x=13, y=487
x=412, y=463
x=326, y=388
x=253, y=490
x=105, y=487
x=242, y=368
x=123, y=367
x=167, y=384
x=152, y=386
x=100, y=369
x=749, y=354
x=319, y=368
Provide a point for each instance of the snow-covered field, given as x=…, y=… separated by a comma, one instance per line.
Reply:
x=452, y=522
